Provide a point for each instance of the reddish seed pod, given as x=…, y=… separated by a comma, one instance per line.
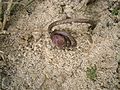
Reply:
x=63, y=39
x=58, y=40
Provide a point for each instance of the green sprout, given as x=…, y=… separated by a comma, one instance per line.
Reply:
x=115, y=11
x=91, y=73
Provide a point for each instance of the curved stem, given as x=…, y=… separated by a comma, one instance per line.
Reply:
x=77, y=20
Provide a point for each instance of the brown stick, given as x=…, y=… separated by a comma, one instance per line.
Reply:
x=91, y=2
x=6, y=15
x=77, y=20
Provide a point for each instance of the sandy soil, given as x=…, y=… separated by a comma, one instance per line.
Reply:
x=29, y=60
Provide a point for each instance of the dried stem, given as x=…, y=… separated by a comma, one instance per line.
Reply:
x=6, y=14
x=14, y=3
x=77, y=20
x=91, y=2
x=0, y=10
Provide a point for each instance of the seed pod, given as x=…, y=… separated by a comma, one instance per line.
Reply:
x=62, y=38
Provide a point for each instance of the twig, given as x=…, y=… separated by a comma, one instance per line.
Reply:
x=1, y=14
x=6, y=14
x=77, y=20
x=91, y=2
x=14, y=3
x=29, y=2
x=0, y=10
x=2, y=55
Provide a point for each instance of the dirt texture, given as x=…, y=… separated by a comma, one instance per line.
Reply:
x=30, y=61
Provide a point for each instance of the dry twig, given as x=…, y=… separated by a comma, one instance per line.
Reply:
x=6, y=14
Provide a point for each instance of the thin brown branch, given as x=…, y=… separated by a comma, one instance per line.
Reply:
x=6, y=14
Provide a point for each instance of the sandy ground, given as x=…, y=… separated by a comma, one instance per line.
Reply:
x=30, y=61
